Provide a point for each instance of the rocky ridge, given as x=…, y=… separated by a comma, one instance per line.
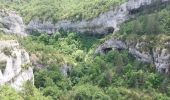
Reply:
x=107, y=22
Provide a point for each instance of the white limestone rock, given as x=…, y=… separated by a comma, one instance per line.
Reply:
x=160, y=57
x=105, y=23
x=10, y=22
x=17, y=68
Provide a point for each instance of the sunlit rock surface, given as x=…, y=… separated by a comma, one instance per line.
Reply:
x=15, y=68
x=159, y=56
x=10, y=22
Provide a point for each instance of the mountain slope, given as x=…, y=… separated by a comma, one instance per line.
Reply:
x=131, y=63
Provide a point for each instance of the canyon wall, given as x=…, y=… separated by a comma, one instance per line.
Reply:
x=15, y=65
x=159, y=56
x=107, y=22
x=11, y=22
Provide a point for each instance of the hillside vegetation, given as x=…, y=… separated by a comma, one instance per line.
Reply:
x=148, y=24
x=61, y=9
x=113, y=75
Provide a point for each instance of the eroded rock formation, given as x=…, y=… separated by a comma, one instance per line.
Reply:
x=159, y=56
x=105, y=23
x=10, y=22
x=15, y=65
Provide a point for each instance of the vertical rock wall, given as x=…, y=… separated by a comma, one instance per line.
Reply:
x=160, y=57
x=105, y=23
x=16, y=67
x=10, y=22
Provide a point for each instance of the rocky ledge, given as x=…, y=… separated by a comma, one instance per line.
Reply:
x=141, y=50
x=107, y=22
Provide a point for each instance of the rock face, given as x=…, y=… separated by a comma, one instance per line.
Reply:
x=160, y=57
x=10, y=22
x=65, y=69
x=15, y=65
x=105, y=23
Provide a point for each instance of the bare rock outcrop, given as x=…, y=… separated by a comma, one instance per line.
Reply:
x=107, y=22
x=15, y=65
x=10, y=22
x=159, y=56
x=65, y=69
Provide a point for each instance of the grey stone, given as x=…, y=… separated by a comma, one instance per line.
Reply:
x=105, y=23
x=13, y=73
x=65, y=68
x=10, y=22
x=160, y=57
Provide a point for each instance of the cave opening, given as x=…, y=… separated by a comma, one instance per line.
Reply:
x=119, y=49
x=110, y=29
x=163, y=70
x=106, y=50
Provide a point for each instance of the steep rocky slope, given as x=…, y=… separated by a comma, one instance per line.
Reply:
x=16, y=68
x=105, y=23
x=15, y=64
x=145, y=50
x=10, y=22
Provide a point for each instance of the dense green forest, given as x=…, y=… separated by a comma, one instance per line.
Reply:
x=115, y=75
x=60, y=9
x=148, y=23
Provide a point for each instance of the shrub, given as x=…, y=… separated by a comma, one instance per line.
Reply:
x=26, y=65
x=7, y=51
x=2, y=65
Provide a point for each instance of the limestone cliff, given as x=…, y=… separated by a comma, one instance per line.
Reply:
x=105, y=23
x=10, y=22
x=141, y=49
x=15, y=65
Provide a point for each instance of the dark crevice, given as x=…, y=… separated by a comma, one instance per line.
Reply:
x=110, y=29
x=106, y=50
x=120, y=49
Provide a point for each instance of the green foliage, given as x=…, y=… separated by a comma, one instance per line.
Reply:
x=29, y=92
x=115, y=69
x=65, y=9
x=7, y=93
x=4, y=36
x=86, y=92
x=154, y=23
x=2, y=65
x=127, y=94
x=7, y=51
x=65, y=47
x=114, y=75
x=26, y=65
